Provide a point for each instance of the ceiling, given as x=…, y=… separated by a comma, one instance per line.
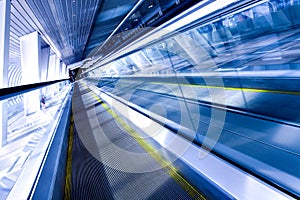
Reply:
x=74, y=28
x=109, y=17
x=71, y=27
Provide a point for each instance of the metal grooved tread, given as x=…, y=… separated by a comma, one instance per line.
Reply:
x=96, y=176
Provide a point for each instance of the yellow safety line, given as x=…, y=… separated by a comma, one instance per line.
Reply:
x=67, y=194
x=233, y=88
x=171, y=170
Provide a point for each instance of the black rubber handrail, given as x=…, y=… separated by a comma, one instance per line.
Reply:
x=12, y=91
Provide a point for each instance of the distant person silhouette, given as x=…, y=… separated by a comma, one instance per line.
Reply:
x=43, y=102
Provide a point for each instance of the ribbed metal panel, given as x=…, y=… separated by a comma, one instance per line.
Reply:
x=64, y=25
x=71, y=27
x=110, y=16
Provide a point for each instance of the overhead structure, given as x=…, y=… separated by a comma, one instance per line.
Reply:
x=65, y=25
x=73, y=28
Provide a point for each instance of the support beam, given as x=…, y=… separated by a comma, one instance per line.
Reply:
x=60, y=69
x=45, y=54
x=4, y=56
x=51, y=67
x=51, y=73
x=64, y=74
x=30, y=61
x=57, y=67
x=30, y=58
x=57, y=74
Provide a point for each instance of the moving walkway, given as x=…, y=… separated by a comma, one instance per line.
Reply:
x=200, y=107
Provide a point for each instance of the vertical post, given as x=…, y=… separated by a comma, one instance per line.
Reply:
x=30, y=61
x=51, y=68
x=4, y=56
x=60, y=69
x=63, y=71
x=51, y=73
x=57, y=67
x=45, y=53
